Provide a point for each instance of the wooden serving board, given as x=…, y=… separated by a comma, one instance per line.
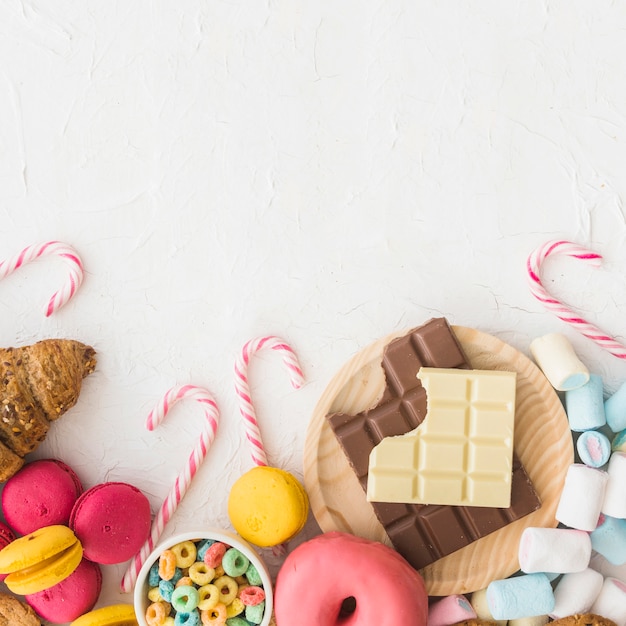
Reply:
x=543, y=442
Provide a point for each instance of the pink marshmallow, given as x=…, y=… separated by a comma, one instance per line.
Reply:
x=450, y=610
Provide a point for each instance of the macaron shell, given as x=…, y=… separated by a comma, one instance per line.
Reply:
x=72, y=597
x=38, y=546
x=47, y=573
x=6, y=537
x=112, y=521
x=114, y=615
x=267, y=506
x=41, y=494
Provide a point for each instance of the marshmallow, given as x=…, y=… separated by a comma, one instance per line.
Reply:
x=478, y=600
x=559, y=550
x=450, y=610
x=611, y=601
x=615, y=409
x=520, y=596
x=615, y=494
x=619, y=442
x=582, y=496
x=608, y=570
x=535, y=620
x=609, y=539
x=556, y=357
x=594, y=448
x=585, y=405
x=576, y=592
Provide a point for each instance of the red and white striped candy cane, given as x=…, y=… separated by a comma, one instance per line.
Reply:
x=242, y=388
x=56, y=248
x=564, y=313
x=178, y=490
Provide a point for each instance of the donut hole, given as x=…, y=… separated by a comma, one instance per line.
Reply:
x=348, y=607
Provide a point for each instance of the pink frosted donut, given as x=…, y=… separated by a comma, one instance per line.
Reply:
x=339, y=579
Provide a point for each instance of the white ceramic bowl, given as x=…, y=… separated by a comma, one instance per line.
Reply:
x=141, y=600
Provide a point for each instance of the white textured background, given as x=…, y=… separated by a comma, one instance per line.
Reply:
x=326, y=171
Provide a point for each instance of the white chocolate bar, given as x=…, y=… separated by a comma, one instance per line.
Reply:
x=462, y=452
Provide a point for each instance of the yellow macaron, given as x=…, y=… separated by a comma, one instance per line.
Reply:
x=114, y=615
x=41, y=559
x=268, y=506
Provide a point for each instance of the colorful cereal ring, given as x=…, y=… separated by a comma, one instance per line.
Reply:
x=215, y=616
x=185, y=599
x=209, y=596
x=201, y=573
x=254, y=613
x=185, y=552
x=228, y=589
x=167, y=565
x=187, y=619
x=251, y=595
x=213, y=556
x=234, y=562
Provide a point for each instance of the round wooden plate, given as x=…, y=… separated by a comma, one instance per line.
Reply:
x=543, y=441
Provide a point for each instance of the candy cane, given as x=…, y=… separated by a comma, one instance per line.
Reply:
x=242, y=388
x=67, y=253
x=183, y=480
x=533, y=266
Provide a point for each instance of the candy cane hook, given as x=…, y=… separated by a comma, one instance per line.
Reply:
x=533, y=267
x=242, y=388
x=67, y=253
x=180, y=486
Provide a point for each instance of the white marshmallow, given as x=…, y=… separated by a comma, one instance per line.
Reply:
x=561, y=550
x=611, y=601
x=615, y=494
x=556, y=357
x=576, y=593
x=582, y=497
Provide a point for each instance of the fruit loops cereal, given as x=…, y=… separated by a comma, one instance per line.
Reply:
x=204, y=582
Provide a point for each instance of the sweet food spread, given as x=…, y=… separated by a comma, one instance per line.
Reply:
x=461, y=475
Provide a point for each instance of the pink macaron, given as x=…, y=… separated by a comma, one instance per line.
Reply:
x=112, y=521
x=69, y=599
x=6, y=537
x=42, y=493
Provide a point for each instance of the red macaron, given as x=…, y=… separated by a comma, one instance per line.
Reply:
x=42, y=493
x=112, y=521
x=72, y=597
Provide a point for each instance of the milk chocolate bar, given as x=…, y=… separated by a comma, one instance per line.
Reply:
x=422, y=533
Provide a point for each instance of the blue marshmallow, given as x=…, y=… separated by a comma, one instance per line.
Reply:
x=594, y=448
x=520, y=596
x=615, y=410
x=619, y=442
x=609, y=539
x=585, y=405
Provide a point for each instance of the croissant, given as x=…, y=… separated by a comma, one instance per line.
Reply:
x=38, y=383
